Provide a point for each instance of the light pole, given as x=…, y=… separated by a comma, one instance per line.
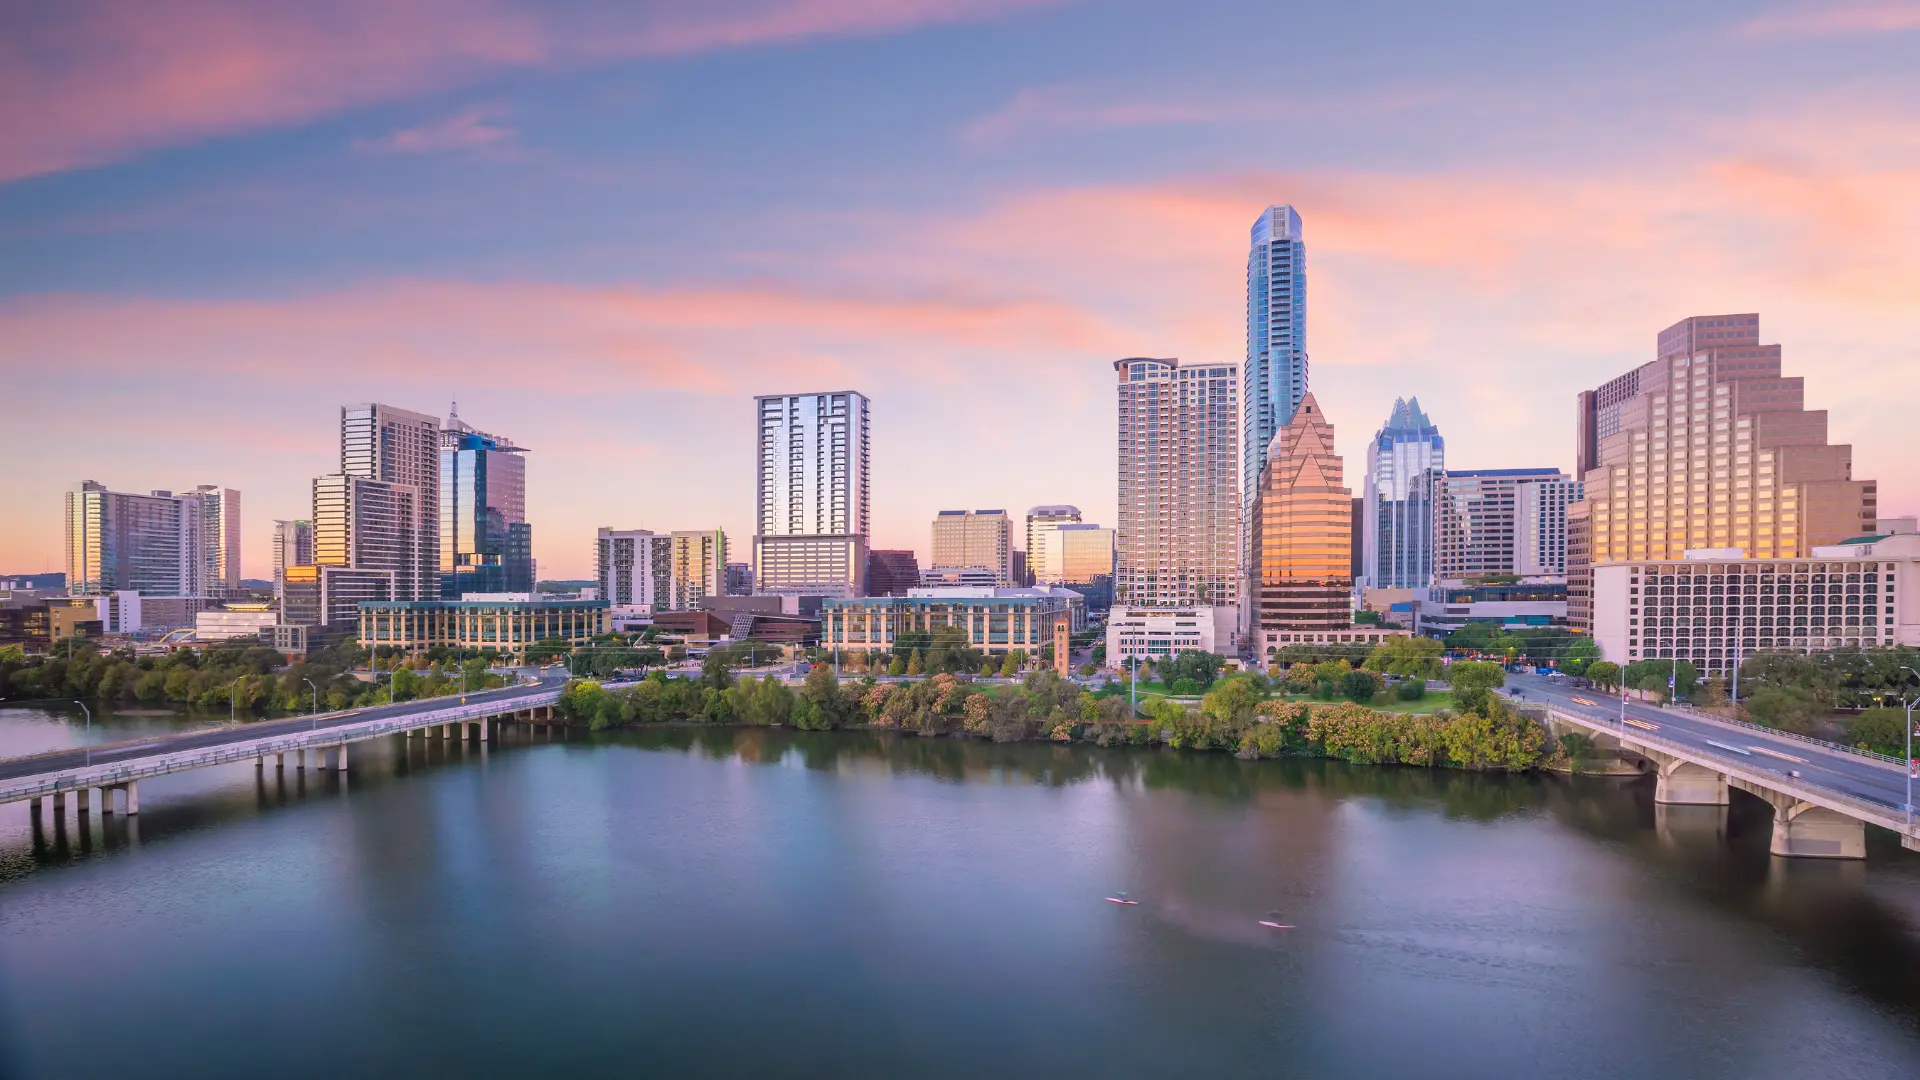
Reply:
x=316, y=703
x=233, y=700
x=91, y=733
x=1910, y=765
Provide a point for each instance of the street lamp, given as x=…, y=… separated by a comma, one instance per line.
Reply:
x=233, y=700
x=91, y=731
x=1910, y=765
x=316, y=703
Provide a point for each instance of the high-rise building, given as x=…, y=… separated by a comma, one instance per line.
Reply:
x=891, y=572
x=381, y=511
x=739, y=579
x=292, y=546
x=811, y=494
x=975, y=538
x=1302, y=531
x=1706, y=447
x=486, y=544
x=1477, y=522
x=1043, y=554
x=220, y=539
x=1178, y=540
x=1086, y=562
x=1540, y=513
x=640, y=570
x=1275, y=375
x=152, y=544
x=1404, y=460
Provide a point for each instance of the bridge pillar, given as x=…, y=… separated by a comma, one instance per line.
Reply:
x=280, y=762
x=1802, y=830
x=59, y=807
x=82, y=803
x=132, y=788
x=1685, y=784
x=343, y=757
x=34, y=809
x=484, y=725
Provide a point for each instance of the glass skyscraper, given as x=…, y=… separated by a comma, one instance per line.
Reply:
x=486, y=545
x=1404, y=462
x=1274, y=378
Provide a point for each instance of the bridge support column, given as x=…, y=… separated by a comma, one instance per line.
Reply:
x=280, y=762
x=484, y=725
x=343, y=757
x=132, y=789
x=1683, y=783
x=1802, y=830
x=35, y=807
x=82, y=803
x=59, y=807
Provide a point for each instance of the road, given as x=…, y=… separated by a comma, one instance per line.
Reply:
x=108, y=753
x=1862, y=778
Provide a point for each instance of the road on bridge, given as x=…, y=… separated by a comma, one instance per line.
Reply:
x=1848, y=774
x=108, y=753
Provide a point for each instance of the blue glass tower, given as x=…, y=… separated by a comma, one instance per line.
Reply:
x=1274, y=378
x=486, y=545
x=1405, y=462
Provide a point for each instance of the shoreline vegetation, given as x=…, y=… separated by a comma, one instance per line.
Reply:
x=1240, y=715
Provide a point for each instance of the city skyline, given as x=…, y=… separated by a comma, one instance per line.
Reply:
x=1493, y=245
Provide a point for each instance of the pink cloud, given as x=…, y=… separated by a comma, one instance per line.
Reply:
x=1809, y=20
x=93, y=81
x=472, y=129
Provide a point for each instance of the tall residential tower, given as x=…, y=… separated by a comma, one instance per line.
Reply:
x=486, y=544
x=1274, y=377
x=811, y=497
x=1178, y=540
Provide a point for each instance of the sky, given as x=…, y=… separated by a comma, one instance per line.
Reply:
x=602, y=228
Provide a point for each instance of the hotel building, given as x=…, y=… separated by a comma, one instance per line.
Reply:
x=981, y=538
x=1178, y=540
x=811, y=519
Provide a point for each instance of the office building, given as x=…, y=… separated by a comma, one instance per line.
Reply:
x=892, y=572
x=974, y=577
x=1540, y=524
x=1043, y=553
x=1404, y=460
x=997, y=620
x=507, y=623
x=235, y=622
x=486, y=544
x=975, y=538
x=1477, y=521
x=811, y=494
x=150, y=544
x=292, y=546
x=331, y=596
x=699, y=564
x=1178, y=538
x=1302, y=533
x=1529, y=603
x=739, y=579
x=1714, y=607
x=381, y=511
x=1086, y=562
x=1709, y=446
x=1275, y=374
x=219, y=539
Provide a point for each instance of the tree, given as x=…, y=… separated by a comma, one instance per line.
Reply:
x=1579, y=653
x=1881, y=730
x=716, y=669
x=1202, y=667
x=1407, y=657
x=1009, y=667
x=1473, y=684
x=896, y=667
x=1605, y=674
x=1360, y=686
x=1789, y=708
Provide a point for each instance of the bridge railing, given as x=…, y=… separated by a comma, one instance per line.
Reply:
x=1879, y=811
x=1839, y=748
x=125, y=770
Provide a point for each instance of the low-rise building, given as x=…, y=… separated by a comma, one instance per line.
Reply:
x=1156, y=633
x=997, y=620
x=234, y=622
x=1714, y=606
x=1529, y=602
x=959, y=577
x=331, y=595
x=508, y=623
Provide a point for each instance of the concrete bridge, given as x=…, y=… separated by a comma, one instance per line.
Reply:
x=114, y=770
x=1822, y=812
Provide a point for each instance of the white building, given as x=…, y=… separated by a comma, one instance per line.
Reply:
x=219, y=539
x=1540, y=513
x=234, y=622
x=949, y=577
x=152, y=544
x=811, y=519
x=638, y=570
x=1156, y=633
x=1713, y=606
x=381, y=511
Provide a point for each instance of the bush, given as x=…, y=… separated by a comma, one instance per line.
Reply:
x=1881, y=730
x=1359, y=686
x=1185, y=687
x=1411, y=689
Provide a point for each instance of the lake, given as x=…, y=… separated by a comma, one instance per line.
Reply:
x=690, y=902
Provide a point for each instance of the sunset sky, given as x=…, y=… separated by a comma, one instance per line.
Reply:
x=604, y=227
